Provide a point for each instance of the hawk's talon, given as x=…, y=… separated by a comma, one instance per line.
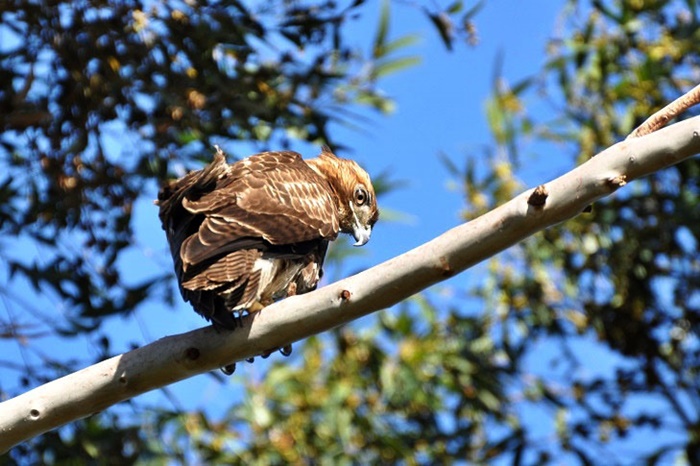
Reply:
x=228, y=369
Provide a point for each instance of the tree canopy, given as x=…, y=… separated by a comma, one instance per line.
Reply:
x=434, y=380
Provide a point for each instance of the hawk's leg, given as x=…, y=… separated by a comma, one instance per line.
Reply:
x=236, y=321
x=286, y=350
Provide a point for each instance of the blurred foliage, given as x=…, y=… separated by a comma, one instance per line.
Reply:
x=437, y=379
x=427, y=399
x=624, y=277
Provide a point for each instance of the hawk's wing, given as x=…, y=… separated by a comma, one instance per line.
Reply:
x=272, y=197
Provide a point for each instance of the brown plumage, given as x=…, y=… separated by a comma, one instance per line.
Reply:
x=245, y=234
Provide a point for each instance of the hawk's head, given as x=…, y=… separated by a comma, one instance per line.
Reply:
x=354, y=194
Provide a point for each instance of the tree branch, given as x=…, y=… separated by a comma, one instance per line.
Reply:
x=181, y=356
x=669, y=112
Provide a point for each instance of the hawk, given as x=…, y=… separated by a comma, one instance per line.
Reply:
x=243, y=235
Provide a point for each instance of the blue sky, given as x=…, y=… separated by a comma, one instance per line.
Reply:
x=440, y=108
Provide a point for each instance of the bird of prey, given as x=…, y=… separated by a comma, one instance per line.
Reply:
x=245, y=234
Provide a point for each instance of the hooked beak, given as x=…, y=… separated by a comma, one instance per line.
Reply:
x=361, y=234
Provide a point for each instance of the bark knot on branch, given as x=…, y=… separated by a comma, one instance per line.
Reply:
x=617, y=181
x=538, y=196
x=445, y=269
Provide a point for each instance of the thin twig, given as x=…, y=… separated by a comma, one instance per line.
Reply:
x=669, y=112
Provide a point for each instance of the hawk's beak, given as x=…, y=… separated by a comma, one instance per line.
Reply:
x=361, y=234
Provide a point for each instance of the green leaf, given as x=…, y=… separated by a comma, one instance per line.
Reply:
x=455, y=7
x=386, y=67
x=382, y=30
x=396, y=45
x=471, y=13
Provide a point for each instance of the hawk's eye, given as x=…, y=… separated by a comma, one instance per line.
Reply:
x=361, y=196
